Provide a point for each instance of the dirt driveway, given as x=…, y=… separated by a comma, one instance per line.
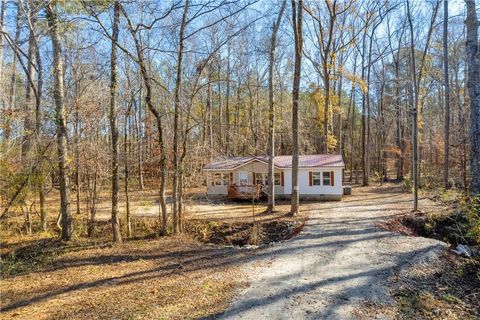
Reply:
x=339, y=260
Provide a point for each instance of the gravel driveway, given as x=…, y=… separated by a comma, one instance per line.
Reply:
x=339, y=260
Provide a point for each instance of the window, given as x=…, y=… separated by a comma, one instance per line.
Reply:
x=316, y=178
x=326, y=178
x=217, y=178
x=221, y=179
x=226, y=179
x=262, y=178
x=243, y=177
x=277, y=179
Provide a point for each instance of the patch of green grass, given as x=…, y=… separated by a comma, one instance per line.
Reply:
x=13, y=264
x=450, y=195
x=452, y=299
x=213, y=224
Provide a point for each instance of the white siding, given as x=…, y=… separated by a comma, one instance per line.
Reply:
x=215, y=190
x=306, y=189
x=288, y=181
x=303, y=181
x=255, y=166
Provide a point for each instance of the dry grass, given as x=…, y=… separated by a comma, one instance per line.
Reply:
x=165, y=278
x=168, y=278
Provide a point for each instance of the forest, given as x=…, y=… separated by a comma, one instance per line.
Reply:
x=110, y=110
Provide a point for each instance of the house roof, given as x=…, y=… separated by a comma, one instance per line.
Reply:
x=282, y=162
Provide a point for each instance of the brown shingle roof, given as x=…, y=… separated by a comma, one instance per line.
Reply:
x=305, y=161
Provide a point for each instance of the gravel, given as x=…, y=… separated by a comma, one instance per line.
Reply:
x=340, y=260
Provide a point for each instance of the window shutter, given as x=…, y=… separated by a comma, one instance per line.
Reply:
x=282, y=179
x=332, y=180
x=231, y=177
x=254, y=181
x=310, y=178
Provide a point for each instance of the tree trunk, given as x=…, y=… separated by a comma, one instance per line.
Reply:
x=271, y=111
x=39, y=136
x=220, y=107
x=3, y=14
x=473, y=84
x=209, y=111
x=398, y=132
x=77, y=130
x=447, y=94
x=140, y=143
x=298, y=35
x=161, y=144
x=28, y=124
x=117, y=236
x=61, y=122
x=414, y=113
x=13, y=81
x=178, y=84
x=364, y=119
x=227, y=105
x=126, y=146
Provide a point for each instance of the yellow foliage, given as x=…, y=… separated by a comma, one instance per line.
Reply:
x=331, y=143
x=354, y=78
x=317, y=97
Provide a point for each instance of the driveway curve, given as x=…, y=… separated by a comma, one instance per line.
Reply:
x=339, y=260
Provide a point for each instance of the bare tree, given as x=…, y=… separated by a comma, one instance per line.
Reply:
x=117, y=236
x=271, y=111
x=61, y=121
x=30, y=90
x=297, y=15
x=147, y=81
x=414, y=112
x=446, y=141
x=13, y=81
x=178, y=84
x=3, y=14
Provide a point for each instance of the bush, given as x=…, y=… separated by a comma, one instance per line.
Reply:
x=408, y=183
x=473, y=216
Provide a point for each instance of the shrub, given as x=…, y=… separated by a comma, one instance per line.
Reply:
x=473, y=216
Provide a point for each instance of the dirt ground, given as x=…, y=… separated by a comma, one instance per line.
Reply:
x=169, y=278
x=166, y=278
x=341, y=262
x=337, y=261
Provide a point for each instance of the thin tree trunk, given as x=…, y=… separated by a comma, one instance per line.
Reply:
x=117, y=236
x=271, y=111
x=126, y=145
x=77, y=130
x=209, y=111
x=447, y=94
x=161, y=144
x=30, y=91
x=227, y=106
x=61, y=121
x=220, y=107
x=3, y=14
x=398, y=136
x=140, y=143
x=414, y=113
x=39, y=136
x=13, y=81
x=298, y=35
x=178, y=84
x=364, y=119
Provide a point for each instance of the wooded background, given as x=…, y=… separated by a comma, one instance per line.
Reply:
x=122, y=95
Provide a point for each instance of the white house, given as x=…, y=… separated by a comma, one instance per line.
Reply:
x=320, y=176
